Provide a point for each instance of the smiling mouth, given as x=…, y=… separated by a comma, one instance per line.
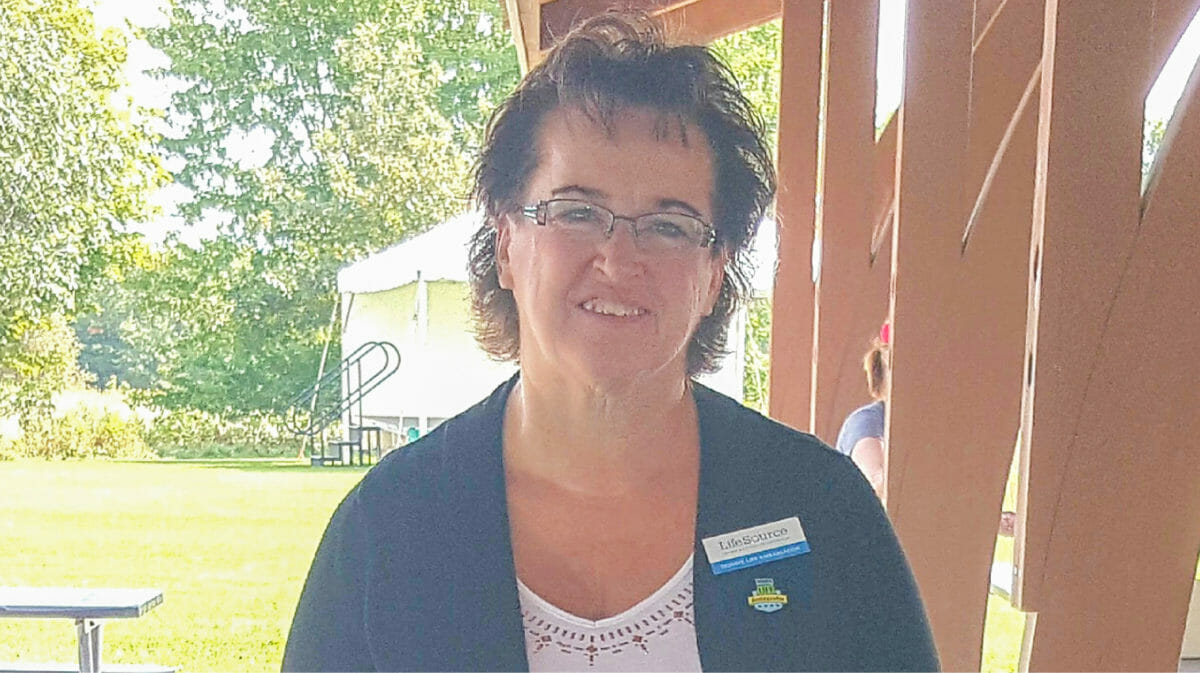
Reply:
x=612, y=308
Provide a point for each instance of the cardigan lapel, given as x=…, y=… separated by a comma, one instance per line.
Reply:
x=731, y=635
x=486, y=606
x=446, y=596
x=726, y=642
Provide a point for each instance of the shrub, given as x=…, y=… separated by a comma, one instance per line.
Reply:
x=42, y=362
x=192, y=433
x=79, y=432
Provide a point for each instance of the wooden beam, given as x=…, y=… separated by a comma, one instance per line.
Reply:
x=1124, y=510
x=691, y=21
x=1171, y=18
x=1006, y=75
x=1177, y=138
x=930, y=164
x=986, y=12
x=883, y=209
x=792, y=307
x=969, y=383
x=851, y=294
x=1085, y=215
x=957, y=328
x=524, y=19
x=704, y=21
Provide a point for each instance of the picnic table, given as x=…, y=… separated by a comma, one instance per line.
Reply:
x=87, y=607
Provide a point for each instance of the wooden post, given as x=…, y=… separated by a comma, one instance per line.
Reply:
x=851, y=293
x=1107, y=538
x=958, y=311
x=792, y=309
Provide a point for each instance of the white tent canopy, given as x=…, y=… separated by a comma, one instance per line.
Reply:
x=438, y=254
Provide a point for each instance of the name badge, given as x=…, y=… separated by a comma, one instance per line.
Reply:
x=755, y=546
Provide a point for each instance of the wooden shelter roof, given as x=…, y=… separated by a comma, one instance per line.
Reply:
x=536, y=23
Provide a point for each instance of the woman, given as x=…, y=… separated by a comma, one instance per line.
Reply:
x=601, y=510
x=862, y=433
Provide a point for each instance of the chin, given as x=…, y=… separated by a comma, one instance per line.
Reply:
x=610, y=365
x=616, y=374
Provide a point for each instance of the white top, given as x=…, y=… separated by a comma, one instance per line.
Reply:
x=657, y=634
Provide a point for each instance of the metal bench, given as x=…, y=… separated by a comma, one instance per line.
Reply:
x=87, y=608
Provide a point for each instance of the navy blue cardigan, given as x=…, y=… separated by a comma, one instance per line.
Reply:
x=415, y=571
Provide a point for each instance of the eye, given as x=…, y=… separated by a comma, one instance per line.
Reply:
x=577, y=213
x=670, y=227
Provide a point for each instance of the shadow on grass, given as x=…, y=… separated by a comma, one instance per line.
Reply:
x=251, y=464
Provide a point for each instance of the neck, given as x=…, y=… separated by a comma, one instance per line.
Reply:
x=589, y=440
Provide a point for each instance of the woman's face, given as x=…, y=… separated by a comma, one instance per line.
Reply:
x=606, y=313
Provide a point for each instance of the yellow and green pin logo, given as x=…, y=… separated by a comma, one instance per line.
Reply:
x=766, y=598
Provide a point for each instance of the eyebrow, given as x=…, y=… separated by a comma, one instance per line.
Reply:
x=593, y=193
x=585, y=191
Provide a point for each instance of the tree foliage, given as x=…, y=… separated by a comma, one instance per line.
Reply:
x=756, y=383
x=317, y=82
x=75, y=163
x=754, y=57
x=371, y=144
x=1152, y=137
x=312, y=132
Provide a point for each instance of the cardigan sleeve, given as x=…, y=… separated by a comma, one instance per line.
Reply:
x=328, y=630
x=887, y=629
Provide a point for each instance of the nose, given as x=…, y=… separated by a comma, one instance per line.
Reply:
x=618, y=254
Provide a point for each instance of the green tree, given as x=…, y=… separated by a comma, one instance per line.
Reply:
x=367, y=110
x=371, y=145
x=294, y=72
x=753, y=56
x=75, y=163
x=1152, y=137
x=106, y=304
x=757, y=377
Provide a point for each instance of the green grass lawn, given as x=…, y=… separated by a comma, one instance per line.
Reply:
x=229, y=543
x=1004, y=625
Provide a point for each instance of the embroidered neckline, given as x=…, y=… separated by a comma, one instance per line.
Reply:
x=668, y=587
x=651, y=618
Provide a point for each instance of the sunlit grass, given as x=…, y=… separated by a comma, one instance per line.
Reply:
x=229, y=543
x=1004, y=625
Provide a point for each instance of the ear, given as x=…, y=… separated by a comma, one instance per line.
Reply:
x=718, y=262
x=503, y=237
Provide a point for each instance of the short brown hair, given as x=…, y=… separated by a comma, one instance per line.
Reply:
x=609, y=63
x=878, y=363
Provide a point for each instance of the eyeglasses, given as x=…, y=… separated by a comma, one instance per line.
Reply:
x=655, y=233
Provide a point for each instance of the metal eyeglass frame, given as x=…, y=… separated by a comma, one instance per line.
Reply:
x=537, y=213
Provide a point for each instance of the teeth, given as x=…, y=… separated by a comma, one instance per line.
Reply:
x=611, y=308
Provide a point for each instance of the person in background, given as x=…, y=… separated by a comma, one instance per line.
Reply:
x=862, y=434
x=601, y=510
